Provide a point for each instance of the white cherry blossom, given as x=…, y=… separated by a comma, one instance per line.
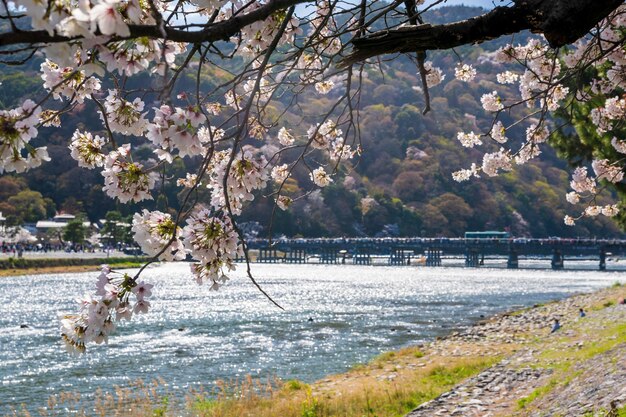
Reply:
x=108, y=19
x=285, y=138
x=123, y=116
x=320, y=177
x=214, y=242
x=87, y=149
x=465, y=72
x=492, y=102
x=156, y=232
x=469, y=140
x=125, y=179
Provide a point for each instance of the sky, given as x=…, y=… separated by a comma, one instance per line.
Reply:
x=487, y=4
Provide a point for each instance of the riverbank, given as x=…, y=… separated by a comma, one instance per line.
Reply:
x=509, y=365
x=32, y=266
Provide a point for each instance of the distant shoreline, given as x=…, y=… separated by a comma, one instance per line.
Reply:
x=26, y=266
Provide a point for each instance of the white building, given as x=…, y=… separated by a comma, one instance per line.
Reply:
x=57, y=223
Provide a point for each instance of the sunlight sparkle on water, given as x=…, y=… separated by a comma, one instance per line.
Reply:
x=335, y=316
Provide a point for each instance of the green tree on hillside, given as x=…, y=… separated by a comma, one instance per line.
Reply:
x=30, y=206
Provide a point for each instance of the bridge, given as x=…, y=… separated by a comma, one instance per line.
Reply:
x=429, y=251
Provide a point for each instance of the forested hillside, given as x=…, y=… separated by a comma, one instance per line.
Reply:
x=400, y=185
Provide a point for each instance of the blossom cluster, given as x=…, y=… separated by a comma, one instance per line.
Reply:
x=242, y=173
x=434, y=75
x=465, y=174
x=492, y=102
x=157, y=234
x=84, y=18
x=323, y=30
x=285, y=138
x=614, y=110
x=97, y=313
x=214, y=242
x=17, y=128
x=585, y=188
x=190, y=180
x=132, y=57
x=86, y=149
x=328, y=136
x=465, y=72
x=125, y=179
x=68, y=82
x=123, y=116
x=469, y=140
x=280, y=173
x=320, y=177
x=494, y=162
x=258, y=36
x=177, y=129
x=96, y=21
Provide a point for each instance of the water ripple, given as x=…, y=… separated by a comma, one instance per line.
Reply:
x=335, y=316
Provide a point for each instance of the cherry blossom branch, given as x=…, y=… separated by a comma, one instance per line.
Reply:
x=561, y=23
x=210, y=33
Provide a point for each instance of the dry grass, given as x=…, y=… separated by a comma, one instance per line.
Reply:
x=390, y=385
x=49, y=270
x=139, y=399
x=11, y=272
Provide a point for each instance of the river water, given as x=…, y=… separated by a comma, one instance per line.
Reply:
x=334, y=317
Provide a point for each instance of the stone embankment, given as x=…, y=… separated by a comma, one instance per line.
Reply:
x=579, y=370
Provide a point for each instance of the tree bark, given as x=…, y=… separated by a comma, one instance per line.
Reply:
x=560, y=21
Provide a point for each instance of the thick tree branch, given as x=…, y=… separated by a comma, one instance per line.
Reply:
x=212, y=32
x=561, y=21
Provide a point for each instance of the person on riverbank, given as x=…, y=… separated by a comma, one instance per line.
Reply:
x=581, y=312
x=556, y=326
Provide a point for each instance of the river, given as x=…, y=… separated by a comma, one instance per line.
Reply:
x=334, y=317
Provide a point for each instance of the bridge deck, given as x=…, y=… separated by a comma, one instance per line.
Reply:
x=401, y=250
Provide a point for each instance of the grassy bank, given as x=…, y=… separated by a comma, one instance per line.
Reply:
x=25, y=266
x=391, y=385
x=395, y=383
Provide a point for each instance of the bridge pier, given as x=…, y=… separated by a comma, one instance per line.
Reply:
x=268, y=255
x=433, y=257
x=472, y=258
x=362, y=257
x=296, y=256
x=328, y=256
x=513, y=261
x=557, y=259
x=602, y=260
x=399, y=257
